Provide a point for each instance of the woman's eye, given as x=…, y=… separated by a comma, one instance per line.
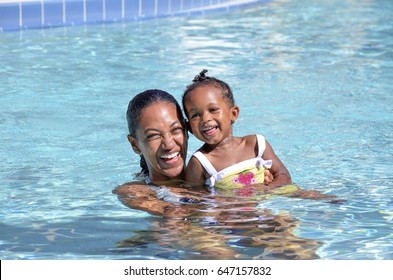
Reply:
x=153, y=136
x=177, y=130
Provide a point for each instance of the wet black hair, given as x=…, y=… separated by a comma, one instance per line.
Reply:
x=202, y=80
x=138, y=104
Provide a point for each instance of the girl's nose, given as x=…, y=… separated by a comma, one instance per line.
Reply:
x=206, y=117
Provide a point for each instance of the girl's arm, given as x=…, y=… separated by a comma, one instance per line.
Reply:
x=195, y=173
x=280, y=173
x=282, y=177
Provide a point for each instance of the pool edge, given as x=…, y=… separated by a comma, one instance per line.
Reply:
x=33, y=14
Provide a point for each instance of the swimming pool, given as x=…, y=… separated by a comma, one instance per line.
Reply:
x=314, y=78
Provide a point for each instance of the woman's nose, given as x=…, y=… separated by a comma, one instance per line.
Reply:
x=167, y=141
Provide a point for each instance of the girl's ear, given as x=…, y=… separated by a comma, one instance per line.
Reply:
x=188, y=126
x=235, y=111
x=134, y=144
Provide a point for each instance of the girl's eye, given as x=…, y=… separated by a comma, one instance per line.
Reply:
x=193, y=116
x=214, y=109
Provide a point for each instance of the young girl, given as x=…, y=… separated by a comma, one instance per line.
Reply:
x=225, y=161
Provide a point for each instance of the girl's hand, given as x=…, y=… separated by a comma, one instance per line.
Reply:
x=268, y=177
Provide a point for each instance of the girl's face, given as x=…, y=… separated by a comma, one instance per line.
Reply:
x=161, y=138
x=209, y=114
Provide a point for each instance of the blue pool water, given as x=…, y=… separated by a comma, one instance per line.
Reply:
x=314, y=77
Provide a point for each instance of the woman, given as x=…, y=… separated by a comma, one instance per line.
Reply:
x=157, y=133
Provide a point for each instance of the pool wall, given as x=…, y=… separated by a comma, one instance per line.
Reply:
x=19, y=15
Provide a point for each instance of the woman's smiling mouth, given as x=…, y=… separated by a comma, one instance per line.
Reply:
x=168, y=158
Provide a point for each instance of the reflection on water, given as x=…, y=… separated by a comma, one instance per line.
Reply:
x=231, y=230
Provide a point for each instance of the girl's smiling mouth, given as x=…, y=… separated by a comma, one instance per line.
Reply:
x=209, y=130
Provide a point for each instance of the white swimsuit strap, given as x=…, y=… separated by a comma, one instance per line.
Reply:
x=205, y=163
x=261, y=145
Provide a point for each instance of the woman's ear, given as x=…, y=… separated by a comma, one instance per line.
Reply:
x=134, y=144
x=235, y=111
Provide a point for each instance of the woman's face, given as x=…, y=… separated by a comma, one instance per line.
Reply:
x=161, y=138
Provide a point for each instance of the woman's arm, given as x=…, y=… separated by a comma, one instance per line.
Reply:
x=141, y=197
x=137, y=196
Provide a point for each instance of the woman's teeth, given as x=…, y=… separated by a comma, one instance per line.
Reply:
x=170, y=156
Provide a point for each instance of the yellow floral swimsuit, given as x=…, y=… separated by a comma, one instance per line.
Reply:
x=241, y=174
